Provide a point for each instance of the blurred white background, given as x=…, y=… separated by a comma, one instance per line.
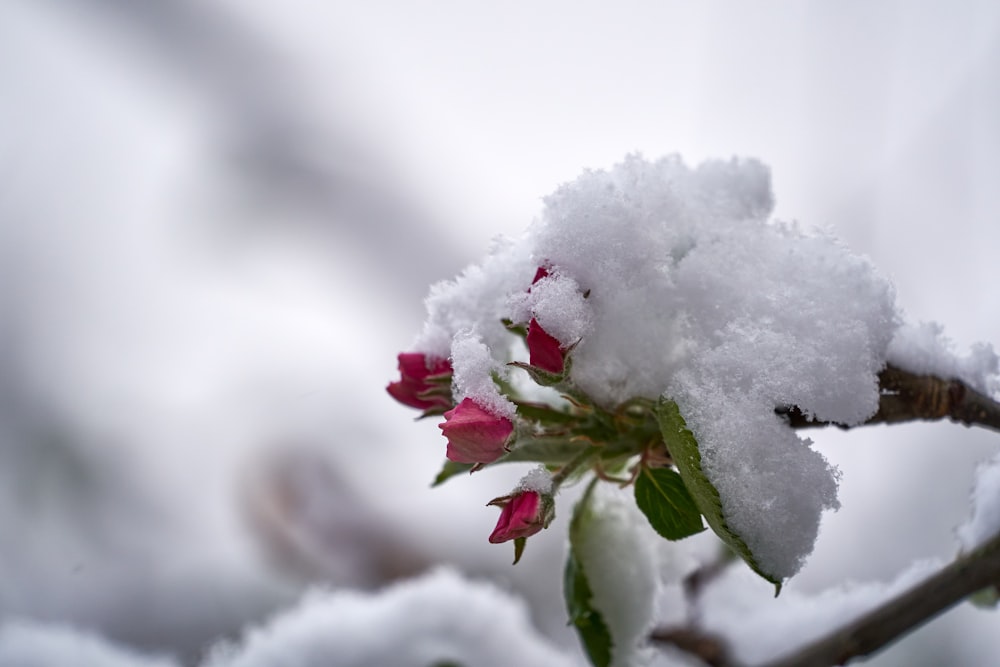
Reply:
x=218, y=221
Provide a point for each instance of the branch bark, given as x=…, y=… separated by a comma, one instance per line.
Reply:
x=906, y=396
x=885, y=624
x=968, y=574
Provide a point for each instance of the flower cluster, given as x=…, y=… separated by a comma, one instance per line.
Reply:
x=707, y=322
x=477, y=436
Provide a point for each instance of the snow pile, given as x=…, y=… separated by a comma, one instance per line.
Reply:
x=759, y=633
x=984, y=524
x=538, y=479
x=925, y=350
x=29, y=644
x=675, y=283
x=618, y=552
x=438, y=619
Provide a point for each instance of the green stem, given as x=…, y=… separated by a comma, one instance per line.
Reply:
x=572, y=466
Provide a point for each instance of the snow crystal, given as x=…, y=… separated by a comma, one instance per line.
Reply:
x=557, y=302
x=925, y=350
x=617, y=550
x=437, y=619
x=477, y=300
x=693, y=294
x=474, y=367
x=538, y=479
x=984, y=524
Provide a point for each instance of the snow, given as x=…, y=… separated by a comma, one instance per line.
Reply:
x=926, y=350
x=758, y=632
x=474, y=368
x=32, y=644
x=693, y=294
x=435, y=619
x=538, y=479
x=618, y=552
x=476, y=300
x=984, y=522
x=439, y=618
x=557, y=302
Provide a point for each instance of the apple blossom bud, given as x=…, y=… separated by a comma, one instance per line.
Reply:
x=522, y=514
x=474, y=434
x=544, y=351
x=541, y=273
x=424, y=383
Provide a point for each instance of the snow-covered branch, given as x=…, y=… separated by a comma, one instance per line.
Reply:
x=906, y=396
x=968, y=574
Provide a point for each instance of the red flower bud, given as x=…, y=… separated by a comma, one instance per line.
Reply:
x=544, y=351
x=422, y=382
x=475, y=435
x=522, y=514
x=542, y=272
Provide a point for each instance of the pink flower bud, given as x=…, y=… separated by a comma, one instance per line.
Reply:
x=541, y=273
x=475, y=435
x=522, y=514
x=423, y=382
x=544, y=350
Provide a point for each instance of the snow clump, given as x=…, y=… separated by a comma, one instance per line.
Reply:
x=673, y=282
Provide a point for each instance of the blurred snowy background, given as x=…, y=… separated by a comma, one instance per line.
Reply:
x=218, y=221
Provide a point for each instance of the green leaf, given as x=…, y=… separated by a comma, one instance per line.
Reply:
x=661, y=495
x=544, y=413
x=684, y=451
x=449, y=470
x=541, y=377
x=518, y=329
x=589, y=624
x=519, y=544
x=986, y=598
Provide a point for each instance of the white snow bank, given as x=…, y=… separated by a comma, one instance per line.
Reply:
x=984, y=523
x=437, y=619
x=440, y=618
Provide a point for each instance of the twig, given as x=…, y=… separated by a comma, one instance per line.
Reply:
x=907, y=397
x=870, y=633
x=885, y=624
x=710, y=649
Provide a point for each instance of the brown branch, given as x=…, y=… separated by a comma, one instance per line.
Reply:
x=885, y=624
x=908, y=397
x=710, y=649
x=869, y=633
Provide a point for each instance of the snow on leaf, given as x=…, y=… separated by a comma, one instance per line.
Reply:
x=589, y=624
x=684, y=450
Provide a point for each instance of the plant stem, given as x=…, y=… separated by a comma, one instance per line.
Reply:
x=573, y=464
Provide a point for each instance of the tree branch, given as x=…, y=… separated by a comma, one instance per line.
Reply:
x=871, y=632
x=885, y=624
x=907, y=397
x=710, y=649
